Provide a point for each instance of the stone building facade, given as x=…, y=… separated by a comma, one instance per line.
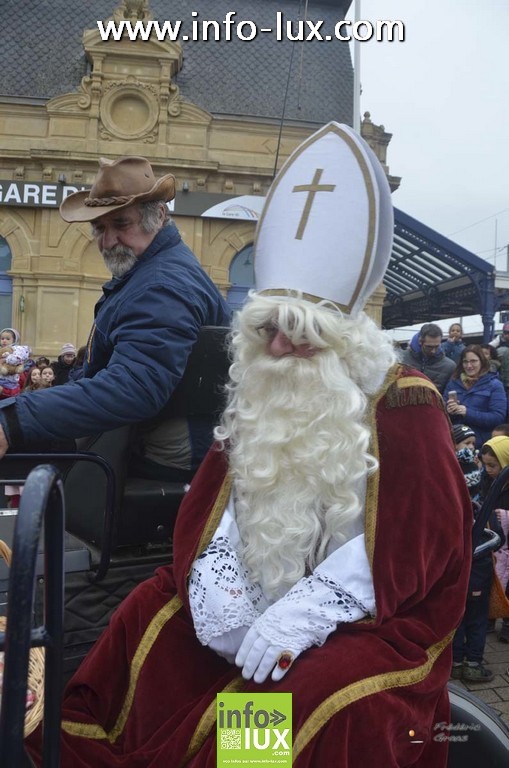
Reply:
x=134, y=97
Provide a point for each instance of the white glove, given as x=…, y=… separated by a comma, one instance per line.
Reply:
x=227, y=644
x=258, y=658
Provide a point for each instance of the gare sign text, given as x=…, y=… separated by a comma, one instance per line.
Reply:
x=35, y=194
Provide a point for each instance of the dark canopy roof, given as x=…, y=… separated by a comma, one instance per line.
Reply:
x=431, y=277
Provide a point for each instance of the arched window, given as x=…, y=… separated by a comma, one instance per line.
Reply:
x=241, y=277
x=5, y=284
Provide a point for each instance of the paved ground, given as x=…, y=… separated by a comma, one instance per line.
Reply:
x=496, y=693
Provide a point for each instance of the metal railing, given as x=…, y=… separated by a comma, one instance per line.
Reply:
x=42, y=502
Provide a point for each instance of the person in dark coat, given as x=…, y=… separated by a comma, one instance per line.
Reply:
x=63, y=366
x=425, y=354
x=146, y=323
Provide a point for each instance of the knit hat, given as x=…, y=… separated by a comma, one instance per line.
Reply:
x=68, y=349
x=469, y=467
x=500, y=447
x=461, y=432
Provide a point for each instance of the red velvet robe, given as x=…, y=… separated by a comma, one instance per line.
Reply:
x=145, y=695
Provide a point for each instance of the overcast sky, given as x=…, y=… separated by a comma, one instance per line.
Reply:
x=444, y=95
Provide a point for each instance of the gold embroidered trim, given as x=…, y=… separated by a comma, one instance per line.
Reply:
x=208, y=720
x=215, y=515
x=372, y=489
x=412, y=390
x=147, y=641
x=362, y=688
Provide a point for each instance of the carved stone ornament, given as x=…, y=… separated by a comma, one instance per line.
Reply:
x=129, y=110
x=134, y=10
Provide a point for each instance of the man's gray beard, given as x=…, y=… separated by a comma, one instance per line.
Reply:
x=119, y=259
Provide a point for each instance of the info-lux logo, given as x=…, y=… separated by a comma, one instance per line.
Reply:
x=254, y=729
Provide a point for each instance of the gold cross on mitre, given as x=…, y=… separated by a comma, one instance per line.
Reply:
x=312, y=188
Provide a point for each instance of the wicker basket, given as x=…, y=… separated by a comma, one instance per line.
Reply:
x=35, y=667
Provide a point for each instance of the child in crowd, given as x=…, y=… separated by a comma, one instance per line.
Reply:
x=9, y=337
x=502, y=567
x=10, y=386
x=502, y=429
x=63, y=366
x=464, y=439
x=12, y=375
x=47, y=376
x=470, y=637
x=502, y=556
x=33, y=381
x=454, y=346
x=12, y=361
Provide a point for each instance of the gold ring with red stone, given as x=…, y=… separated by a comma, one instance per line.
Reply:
x=285, y=660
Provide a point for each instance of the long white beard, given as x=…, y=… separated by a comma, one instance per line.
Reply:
x=299, y=457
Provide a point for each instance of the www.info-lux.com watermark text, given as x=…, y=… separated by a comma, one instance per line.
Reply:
x=231, y=27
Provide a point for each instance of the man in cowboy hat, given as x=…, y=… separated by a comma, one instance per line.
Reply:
x=146, y=322
x=316, y=552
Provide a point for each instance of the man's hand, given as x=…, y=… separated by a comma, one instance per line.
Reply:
x=258, y=658
x=4, y=445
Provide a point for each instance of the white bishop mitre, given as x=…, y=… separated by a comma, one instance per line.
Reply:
x=327, y=225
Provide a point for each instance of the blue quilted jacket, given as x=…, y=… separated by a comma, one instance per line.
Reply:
x=145, y=326
x=486, y=404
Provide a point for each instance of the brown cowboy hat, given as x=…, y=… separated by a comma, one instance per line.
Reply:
x=118, y=184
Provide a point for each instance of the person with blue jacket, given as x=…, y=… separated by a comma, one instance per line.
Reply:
x=474, y=396
x=146, y=322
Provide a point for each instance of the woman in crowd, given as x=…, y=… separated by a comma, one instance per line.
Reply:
x=454, y=346
x=474, y=396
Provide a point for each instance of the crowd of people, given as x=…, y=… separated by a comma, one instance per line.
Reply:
x=474, y=382
x=20, y=371
x=469, y=376
x=25, y=372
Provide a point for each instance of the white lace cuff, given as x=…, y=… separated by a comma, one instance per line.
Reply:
x=220, y=594
x=313, y=607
